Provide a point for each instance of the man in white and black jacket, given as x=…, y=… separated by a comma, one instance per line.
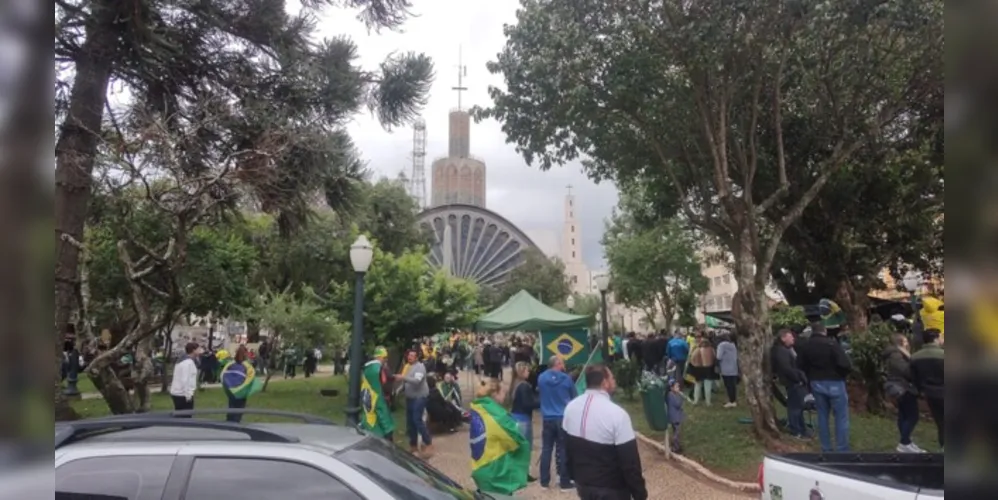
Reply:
x=602, y=450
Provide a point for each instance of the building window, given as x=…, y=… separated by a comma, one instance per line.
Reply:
x=569, y=202
x=710, y=303
x=727, y=278
x=717, y=281
x=571, y=215
x=573, y=241
x=575, y=280
x=573, y=255
x=573, y=229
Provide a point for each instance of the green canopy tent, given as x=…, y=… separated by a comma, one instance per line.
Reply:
x=523, y=312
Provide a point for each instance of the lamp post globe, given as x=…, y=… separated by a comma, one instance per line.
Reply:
x=603, y=284
x=361, y=255
x=912, y=282
x=570, y=302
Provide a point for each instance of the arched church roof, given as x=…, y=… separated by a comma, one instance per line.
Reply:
x=485, y=246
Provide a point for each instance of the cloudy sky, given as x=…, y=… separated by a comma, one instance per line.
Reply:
x=531, y=199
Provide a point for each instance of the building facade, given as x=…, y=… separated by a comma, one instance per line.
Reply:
x=580, y=279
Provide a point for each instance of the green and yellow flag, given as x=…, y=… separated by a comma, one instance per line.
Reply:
x=239, y=379
x=572, y=346
x=500, y=455
x=377, y=418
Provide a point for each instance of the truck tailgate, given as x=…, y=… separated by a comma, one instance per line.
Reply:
x=792, y=480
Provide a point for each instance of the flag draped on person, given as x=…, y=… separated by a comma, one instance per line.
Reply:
x=500, y=455
x=377, y=419
x=239, y=379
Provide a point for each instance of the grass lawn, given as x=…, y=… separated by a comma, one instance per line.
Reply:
x=300, y=395
x=714, y=437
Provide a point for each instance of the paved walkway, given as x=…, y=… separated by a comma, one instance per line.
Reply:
x=663, y=479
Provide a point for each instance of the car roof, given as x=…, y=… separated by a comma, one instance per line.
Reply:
x=324, y=438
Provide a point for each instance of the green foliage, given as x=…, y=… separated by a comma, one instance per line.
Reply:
x=627, y=373
x=542, y=277
x=405, y=298
x=585, y=305
x=784, y=316
x=216, y=276
x=866, y=352
x=299, y=321
x=219, y=271
x=655, y=269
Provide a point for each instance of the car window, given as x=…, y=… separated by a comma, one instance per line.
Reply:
x=257, y=479
x=118, y=478
x=404, y=476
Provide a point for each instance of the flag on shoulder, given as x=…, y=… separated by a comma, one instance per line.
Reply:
x=500, y=455
x=239, y=379
x=377, y=419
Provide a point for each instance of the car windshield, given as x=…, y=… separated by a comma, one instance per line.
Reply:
x=405, y=476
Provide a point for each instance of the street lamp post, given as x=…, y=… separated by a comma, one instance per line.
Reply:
x=361, y=254
x=603, y=283
x=570, y=302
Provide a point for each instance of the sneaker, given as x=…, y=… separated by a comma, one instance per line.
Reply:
x=567, y=487
x=427, y=451
x=730, y=405
x=915, y=448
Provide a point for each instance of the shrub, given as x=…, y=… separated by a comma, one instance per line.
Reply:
x=867, y=362
x=627, y=373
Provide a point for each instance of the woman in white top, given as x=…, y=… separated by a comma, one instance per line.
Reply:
x=185, y=379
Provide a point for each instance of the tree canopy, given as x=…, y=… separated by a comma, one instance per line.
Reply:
x=542, y=277
x=654, y=269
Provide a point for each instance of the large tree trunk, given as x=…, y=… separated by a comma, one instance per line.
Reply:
x=142, y=372
x=252, y=331
x=751, y=316
x=854, y=304
x=74, y=152
x=111, y=387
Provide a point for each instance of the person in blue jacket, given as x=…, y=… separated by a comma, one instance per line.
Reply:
x=557, y=389
x=678, y=351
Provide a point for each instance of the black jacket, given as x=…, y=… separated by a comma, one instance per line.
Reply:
x=897, y=368
x=781, y=359
x=927, y=371
x=822, y=358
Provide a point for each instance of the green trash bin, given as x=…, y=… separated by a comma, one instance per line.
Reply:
x=653, y=399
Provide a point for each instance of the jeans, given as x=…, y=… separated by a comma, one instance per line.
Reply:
x=526, y=426
x=235, y=403
x=830, y=397
x=936, y=407
x=674, y=444
x=553, y=439
x=414, y=424
x=731, y=387
x=907, y=406
x=795, y=409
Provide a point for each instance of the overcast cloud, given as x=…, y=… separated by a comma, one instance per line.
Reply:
x=531, y=199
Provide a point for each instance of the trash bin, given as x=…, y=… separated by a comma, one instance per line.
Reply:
x=653, y=399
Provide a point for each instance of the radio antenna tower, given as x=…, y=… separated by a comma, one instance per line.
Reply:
x=417, y=179
x=462, y=71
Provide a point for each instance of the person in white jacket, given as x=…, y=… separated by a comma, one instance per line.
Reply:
x=185, y=378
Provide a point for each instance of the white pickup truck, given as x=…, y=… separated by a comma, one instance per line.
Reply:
x=852, y=476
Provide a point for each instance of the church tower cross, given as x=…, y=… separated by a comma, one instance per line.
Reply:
x=462, y=71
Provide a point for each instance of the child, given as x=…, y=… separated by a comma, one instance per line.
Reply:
x=674, y=404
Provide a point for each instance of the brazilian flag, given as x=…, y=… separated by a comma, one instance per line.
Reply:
x=377, y=418
x=500, y=455
x=572, y=346
x=239, y=379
